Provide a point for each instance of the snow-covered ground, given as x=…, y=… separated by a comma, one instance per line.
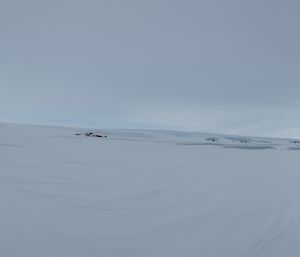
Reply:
x=147, y=194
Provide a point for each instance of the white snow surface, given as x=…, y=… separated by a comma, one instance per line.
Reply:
x=147, y=194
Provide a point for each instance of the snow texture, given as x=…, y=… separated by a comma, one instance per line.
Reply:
x=147, y=194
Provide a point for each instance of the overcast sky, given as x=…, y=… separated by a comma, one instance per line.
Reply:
x=215, y=65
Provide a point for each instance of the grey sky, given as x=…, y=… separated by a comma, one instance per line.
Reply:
x=214, y=65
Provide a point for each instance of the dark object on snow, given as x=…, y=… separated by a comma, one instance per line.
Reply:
x=213, y=139
x=244, y=140
x=98, y=136
x=296, y=141
x=90, y=134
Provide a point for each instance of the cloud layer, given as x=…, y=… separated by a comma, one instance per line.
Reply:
x=222, y=66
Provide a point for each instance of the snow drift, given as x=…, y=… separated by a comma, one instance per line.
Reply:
x=147, y=194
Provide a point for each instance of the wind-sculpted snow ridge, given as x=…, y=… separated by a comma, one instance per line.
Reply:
x=147, y=193
x=205, y=139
